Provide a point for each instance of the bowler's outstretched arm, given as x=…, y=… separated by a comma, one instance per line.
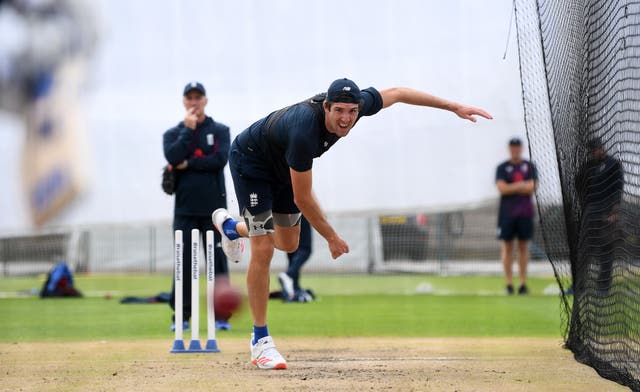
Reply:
x=411, y=96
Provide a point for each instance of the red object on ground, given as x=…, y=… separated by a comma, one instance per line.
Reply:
x=226, y=300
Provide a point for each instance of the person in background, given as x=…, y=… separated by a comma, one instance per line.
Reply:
x=599, y=186
x=290, y=280
x=198, y=147
x=516, y=181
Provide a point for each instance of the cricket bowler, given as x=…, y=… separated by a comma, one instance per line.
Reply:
x=271, y=165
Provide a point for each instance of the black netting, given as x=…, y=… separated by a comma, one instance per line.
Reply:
x=580, y=67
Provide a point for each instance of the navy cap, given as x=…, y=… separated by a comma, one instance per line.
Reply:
x=515, y=141
x=344, y=90
x=194, y=86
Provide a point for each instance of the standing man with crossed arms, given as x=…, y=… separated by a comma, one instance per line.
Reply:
x=516, y=181
x=271, y=165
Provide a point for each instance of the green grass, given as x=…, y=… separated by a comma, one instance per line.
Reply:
x=348, y=305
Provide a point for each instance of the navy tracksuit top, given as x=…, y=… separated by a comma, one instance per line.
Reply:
x=200, y=188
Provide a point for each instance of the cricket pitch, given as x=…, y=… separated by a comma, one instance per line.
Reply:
x=315, y=364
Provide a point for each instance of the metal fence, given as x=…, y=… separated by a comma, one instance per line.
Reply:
x=447, y=241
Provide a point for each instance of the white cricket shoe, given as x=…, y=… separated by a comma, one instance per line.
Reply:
x=232, y=248
x=265, y=355
x=287, y=285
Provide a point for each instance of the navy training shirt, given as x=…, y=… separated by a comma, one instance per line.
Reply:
x=600, y=183
x=295, y=138
x=516, y=206
x=200, y=187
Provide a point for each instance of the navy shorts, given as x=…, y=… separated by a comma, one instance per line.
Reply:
x=260, y=195
x=515, y=227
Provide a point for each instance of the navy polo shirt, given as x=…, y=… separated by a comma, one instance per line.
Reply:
x=599, y=184
x=516, y=206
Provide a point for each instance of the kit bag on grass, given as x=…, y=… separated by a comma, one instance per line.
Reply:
x=59, y=283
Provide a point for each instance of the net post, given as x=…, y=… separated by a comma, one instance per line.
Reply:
x=178, y=343
x=194, y=345
x=212, y=344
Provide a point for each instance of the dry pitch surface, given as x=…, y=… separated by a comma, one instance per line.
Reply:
x=327, y=364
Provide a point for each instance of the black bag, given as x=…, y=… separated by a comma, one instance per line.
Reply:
x=169, y=180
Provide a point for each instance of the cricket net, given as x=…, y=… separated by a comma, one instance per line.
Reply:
x=580, y=69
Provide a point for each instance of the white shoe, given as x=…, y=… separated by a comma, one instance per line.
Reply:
x=287, y=284
x=232, y=248
x=265, y=355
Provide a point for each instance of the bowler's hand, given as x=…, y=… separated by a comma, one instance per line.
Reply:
x=467, y=113
x=190, y=119
x=338, y=247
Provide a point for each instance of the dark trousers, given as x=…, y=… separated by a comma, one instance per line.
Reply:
x=202, y=223
x=298, y=258
x=603, y=251
x=597, y=245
